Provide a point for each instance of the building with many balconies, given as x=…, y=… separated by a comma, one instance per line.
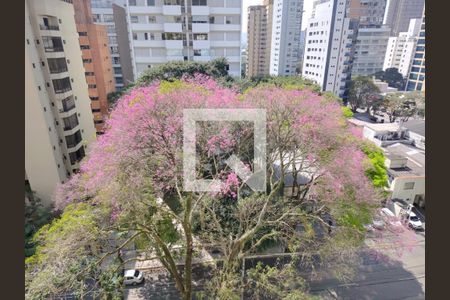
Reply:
x=58, y=117
x=184, y=30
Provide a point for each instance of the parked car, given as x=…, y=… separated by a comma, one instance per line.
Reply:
x=133, y=277
x=414, y=221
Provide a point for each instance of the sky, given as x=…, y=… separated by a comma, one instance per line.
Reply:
x=307, y=7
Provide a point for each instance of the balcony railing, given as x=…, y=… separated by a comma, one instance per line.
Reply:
x=54, y=49
x=70, y=126
x=58, y=70
x=62, y=90
x=49, y=27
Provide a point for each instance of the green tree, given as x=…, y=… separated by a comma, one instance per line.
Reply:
x=217, y=68
x=363, y=93
x=36, y=216
x=392, y=77
x=401, y=105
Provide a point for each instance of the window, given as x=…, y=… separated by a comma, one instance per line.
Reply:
x=85, y=47
x=200, y=19
x=408, y=186
x=61, y=85
x=70, y=122
x=199, y=2
x=92, y=86
x=134, y=19
x=132, y=2
x=76, y=156
x=57, y=65
x=116, y=60
x=114, y=49
x=135, y=36
x=87, y=61
x=52, y=44
x=117, y=70
x=96, y=110
x=88, y=73
x=82, y=33
x=150, y=2
x=67, y=103
x=73, y=140
x=96, y=18
x=200, y=36
x=152, y=19
x=172, y=36
x=94, y=98
x=172, y=2
x=108, y=18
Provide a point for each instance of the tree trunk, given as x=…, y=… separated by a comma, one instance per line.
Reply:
x=189, y=250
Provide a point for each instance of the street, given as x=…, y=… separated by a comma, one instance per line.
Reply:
x=398, y=274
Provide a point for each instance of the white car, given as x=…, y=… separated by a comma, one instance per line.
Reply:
x=414, y=221
x=133, y=277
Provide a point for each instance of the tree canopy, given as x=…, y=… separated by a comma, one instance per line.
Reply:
x=320, y=193
x=393, y=77
x=363, y=93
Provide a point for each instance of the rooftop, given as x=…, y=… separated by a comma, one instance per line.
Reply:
x=416, y=160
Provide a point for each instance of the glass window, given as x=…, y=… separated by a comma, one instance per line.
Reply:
x=152, y=19
x=108, y=18
x=408, y=186
x=199, y=2
x=134, y=19
x=201, y=36
x=150, y=2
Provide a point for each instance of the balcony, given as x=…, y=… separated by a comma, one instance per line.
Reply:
x=171, y=10
x=58, y=70
x=225, y=10
x=172, y=27
x=202, y=58
x=201, y=44
x=200, y=10
x=225, y=27
x=144, y=10
x=174, y=44
x=200, y=27
x=54, y=49
x=146, y=27
x=48, y=27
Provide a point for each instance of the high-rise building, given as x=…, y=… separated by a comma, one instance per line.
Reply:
x=399, y=12
x=96, y=59
x=370, y=50
x=285, y=36
x=328, y=53
x=257, y=63
x=416, y=76
x=174, y=30
x=112, y=14
x=400, y=49
x=367, y=12
x=58, y=117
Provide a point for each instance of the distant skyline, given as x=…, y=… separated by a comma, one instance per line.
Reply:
x=307, y=7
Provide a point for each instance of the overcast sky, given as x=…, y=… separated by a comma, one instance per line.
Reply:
x=307, y=7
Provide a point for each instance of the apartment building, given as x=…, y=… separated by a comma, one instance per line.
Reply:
x=328, y=51
x=367, y=12
x=112, y=14
x=96, y=60
x=399, y=12
x=190, y=30
x=416, y=76
x=285, y=36
x=58, y=117
x=257, y=64
x=370, y=50
x=400, y=49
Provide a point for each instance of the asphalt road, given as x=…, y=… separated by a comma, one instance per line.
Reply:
x=396, y=275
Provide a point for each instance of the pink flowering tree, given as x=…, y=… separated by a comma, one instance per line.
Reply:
x=317, y=189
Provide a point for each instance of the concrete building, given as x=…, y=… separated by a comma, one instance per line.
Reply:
x=285, y=36
x=399, y=12
x=370, y=50
x=416, y=75
x=367, y=12
x=400, y=49
x=58, y=117
x=174, y=30
x=328, y=53
x=96, y=60
x=383, y=87
x=406, y=172
x=112, y=14
x=257, y=64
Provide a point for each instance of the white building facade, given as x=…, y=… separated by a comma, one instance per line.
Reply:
x=58, y=118
x=400, y=49
x=328, y=46
x=286, y=36
x=189, y=30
